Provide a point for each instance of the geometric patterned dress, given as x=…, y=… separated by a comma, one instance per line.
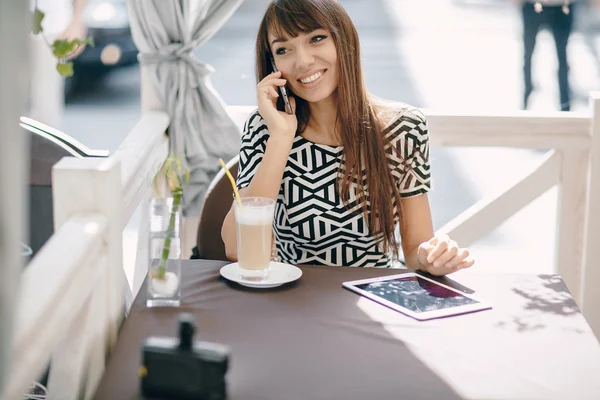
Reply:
x=311, y=224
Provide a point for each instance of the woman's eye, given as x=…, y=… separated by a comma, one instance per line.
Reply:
x=280, y=51
x=318, y=38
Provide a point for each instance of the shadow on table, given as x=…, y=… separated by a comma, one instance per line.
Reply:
x=304, y=341
x=551, y=297
x=556, y=300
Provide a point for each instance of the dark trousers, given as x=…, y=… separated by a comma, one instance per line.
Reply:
x=560, y=24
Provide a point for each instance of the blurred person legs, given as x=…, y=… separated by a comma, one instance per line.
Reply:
x=561, y=24
x=531, y=25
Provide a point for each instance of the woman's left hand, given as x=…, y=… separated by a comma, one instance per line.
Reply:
x=441, y=256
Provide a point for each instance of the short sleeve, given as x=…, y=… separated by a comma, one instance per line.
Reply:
x=407, y=149
x=252, y=149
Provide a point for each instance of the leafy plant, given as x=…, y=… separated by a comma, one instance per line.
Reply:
x=63, y=49
x=177, y=176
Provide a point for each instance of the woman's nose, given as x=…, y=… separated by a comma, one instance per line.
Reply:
x=304, y=59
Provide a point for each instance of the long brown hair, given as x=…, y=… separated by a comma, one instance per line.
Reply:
x=361, y=135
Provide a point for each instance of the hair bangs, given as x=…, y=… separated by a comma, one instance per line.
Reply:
x=288, y=19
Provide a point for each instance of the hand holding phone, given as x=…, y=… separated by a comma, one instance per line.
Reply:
x=282, y=89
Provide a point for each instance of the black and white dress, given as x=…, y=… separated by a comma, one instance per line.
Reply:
x=312, y=225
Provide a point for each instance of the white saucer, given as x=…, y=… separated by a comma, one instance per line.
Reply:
x=279, y=274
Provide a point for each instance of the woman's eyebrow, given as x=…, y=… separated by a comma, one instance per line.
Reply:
x=278, y=40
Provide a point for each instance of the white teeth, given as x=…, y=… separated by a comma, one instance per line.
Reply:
x=312, y=78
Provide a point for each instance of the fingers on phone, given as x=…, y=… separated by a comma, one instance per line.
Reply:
x=272, y=93
x=274, y=82
x=272, y=75
x=269, y=86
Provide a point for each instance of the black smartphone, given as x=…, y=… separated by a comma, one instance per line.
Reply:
x=282, y=89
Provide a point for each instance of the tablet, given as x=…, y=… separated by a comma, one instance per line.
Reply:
x=417, y=296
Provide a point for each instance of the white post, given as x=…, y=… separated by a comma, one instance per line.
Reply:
x=591, y=262
x=94, y=185
x=571, y=211
x=79, y=359
x=52, y=293
x=14, y=73
x=69, y=359
x=142, y=251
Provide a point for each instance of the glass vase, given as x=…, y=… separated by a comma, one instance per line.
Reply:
x=164, y=272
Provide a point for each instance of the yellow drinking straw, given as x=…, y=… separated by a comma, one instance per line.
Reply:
x=235, y=191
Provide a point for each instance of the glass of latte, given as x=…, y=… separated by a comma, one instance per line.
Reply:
x=254, y=236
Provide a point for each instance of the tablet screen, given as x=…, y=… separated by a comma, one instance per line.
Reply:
x=416, y=294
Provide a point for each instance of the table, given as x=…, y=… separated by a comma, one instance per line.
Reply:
x=315, y=340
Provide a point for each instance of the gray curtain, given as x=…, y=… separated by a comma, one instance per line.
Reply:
x=165, y=33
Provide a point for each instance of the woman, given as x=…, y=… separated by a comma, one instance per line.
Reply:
x=346, y=170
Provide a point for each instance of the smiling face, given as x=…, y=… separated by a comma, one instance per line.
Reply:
x=309, y=62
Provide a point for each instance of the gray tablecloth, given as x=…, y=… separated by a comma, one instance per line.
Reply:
x=315, y=340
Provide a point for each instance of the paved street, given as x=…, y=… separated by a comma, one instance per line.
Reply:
x=439, y=54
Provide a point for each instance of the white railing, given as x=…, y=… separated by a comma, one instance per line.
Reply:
x=74, y=293
x=572, y=163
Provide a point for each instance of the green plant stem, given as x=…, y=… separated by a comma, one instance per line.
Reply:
x=162, y=266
